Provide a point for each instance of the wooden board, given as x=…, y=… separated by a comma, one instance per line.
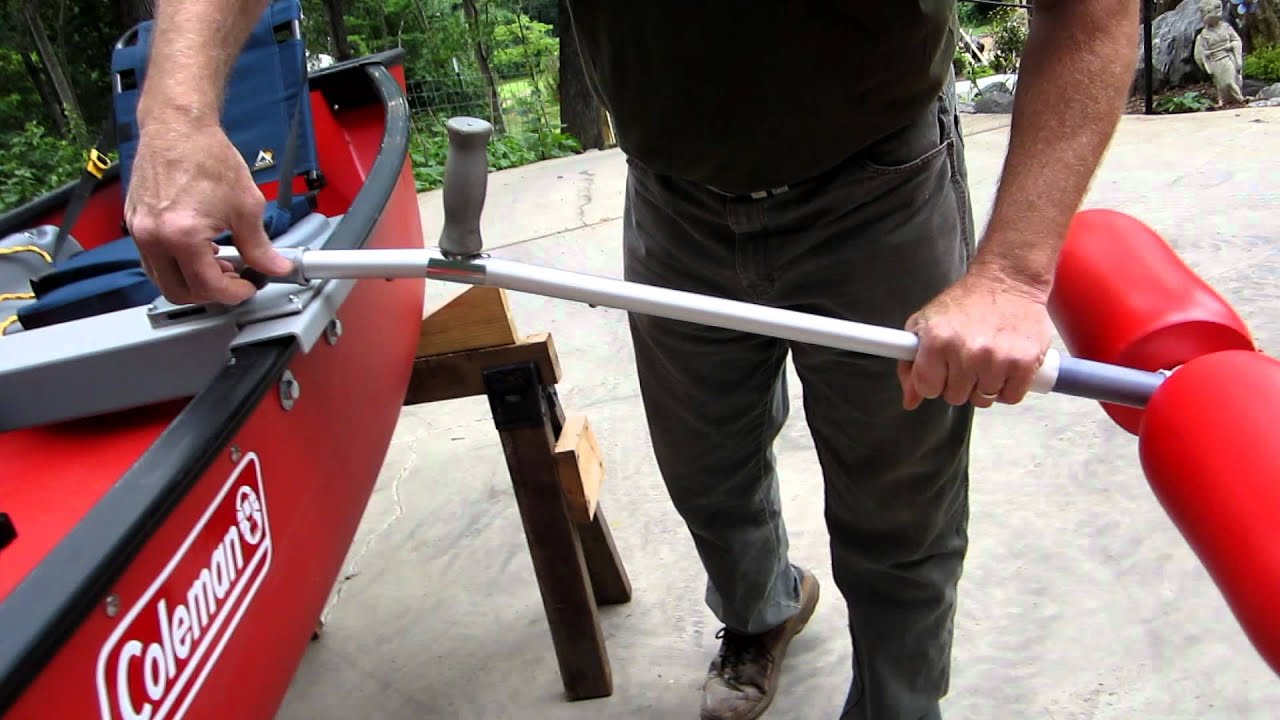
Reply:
x=461, y=374
x=559, y=563
x=581, y=467
x=477, y=318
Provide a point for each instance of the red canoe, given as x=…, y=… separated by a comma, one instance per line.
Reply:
x=185, y=491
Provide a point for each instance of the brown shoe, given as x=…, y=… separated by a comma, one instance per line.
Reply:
x=743, y=678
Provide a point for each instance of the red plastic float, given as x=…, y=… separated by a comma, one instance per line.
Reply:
x=1121, y=295
x=1205, y=445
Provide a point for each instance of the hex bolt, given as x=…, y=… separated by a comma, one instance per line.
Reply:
x=333, y=331
x=113, y=605
x=289, y=390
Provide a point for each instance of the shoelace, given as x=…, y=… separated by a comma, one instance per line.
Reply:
x=738, y=650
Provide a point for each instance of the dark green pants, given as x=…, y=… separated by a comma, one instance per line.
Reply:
x=873, y=240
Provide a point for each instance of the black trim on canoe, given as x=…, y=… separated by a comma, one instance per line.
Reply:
x=45, y=609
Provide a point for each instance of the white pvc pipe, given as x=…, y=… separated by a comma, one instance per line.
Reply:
x=1058, y=373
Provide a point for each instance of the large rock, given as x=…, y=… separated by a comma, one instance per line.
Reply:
x=1173, y=37
x=1271, y=92
x=1253, y=88
x=994, y=99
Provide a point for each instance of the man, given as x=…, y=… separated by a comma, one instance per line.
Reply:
x=804, y=155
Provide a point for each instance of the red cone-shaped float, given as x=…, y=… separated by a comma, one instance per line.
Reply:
x=1121, y=295
x=1207, y=445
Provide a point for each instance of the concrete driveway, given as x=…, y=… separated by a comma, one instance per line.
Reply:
x=1080, y=599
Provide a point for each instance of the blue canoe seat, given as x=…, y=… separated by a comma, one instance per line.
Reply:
x=263, y=90
x=266, y=105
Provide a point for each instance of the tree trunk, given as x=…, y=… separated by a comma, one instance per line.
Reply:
x=66, y=96
x=581, y=113
x=422, y=13
x=1264, y=24
x=482, y=59
x=338, y=29
x=47, y=95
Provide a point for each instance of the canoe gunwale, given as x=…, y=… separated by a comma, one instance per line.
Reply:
x=45, y=609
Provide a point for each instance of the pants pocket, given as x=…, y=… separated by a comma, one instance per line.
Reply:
x=912, y=147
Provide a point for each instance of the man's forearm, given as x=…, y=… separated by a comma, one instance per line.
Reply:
x=195, y=44
x=1076, y=69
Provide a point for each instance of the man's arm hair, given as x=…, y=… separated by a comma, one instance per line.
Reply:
x=1077, y=66
x=195, y=44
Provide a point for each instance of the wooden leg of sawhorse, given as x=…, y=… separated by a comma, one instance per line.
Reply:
x=568, y=564
x=608, y=578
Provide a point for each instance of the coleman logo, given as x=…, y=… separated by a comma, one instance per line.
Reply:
x=265, y=159
x=154, y=663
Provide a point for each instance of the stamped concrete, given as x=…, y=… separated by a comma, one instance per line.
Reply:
x=1080, y=599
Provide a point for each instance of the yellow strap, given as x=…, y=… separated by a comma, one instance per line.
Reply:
x=12, y=249
x=27, y=248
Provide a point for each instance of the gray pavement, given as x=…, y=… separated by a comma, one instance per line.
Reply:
x=1080, y=599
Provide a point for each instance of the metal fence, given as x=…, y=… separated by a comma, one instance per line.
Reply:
x=524, y=110
x=523, y=102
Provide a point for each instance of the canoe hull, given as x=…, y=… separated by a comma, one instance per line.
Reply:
x=216, y=606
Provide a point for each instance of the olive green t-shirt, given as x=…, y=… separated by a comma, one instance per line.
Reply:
x=749, y=95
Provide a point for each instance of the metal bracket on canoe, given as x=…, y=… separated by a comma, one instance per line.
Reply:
x=141, y=355
x=302, y=310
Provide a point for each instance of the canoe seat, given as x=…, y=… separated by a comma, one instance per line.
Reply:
x=110, y=277
x=267, y=83
x=265, y=112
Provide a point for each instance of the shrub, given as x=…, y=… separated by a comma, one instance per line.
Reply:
x=967, y=69
x=429, y=148
x=522, y=46
x=1263, y=64
x=34, y=162
x=1009, y=36
x=1191, y=101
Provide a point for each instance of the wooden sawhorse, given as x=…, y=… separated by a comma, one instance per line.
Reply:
x=469, y=347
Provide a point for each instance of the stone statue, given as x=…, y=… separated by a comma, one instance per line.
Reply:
x=1219, y=52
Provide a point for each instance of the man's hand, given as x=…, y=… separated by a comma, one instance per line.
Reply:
x=988, y=334
x=980, y=341
x=190, y=185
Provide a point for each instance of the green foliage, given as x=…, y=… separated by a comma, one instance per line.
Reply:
x=967, y=69
x=18, y=100
x=962, y=63
x=85, y=37
x=440, y=44
x=1191, y=101
x=975, y=14
x=522, y=46
x=430, y=145
x=1009, y=35
x=33, y=162
x=1263, y=64
x=546, y=11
